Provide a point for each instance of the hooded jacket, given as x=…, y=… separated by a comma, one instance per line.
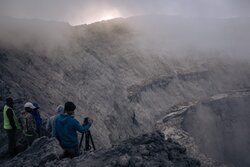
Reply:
x=37, y=117
x=50, y=125
x=66, y=127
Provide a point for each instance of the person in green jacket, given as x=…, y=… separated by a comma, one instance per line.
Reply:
x=10, y=125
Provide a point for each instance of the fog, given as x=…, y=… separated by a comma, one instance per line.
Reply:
x=162, y=26
x=223, y=130
x=89, y=11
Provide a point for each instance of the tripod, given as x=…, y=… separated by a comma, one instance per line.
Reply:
x=88, y=137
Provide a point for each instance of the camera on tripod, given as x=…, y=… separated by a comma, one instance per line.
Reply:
x=88, y=136
x=87, y=120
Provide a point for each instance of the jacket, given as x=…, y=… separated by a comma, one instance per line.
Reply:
x=28, y=124
x=10, y=119
x=50, y=125
x=38, y=119
x=66, y=127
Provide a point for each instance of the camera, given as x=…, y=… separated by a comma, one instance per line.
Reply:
x=86, y=120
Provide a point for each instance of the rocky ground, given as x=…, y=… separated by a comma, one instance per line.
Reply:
x=143, y=151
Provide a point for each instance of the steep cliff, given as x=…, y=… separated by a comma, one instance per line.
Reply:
x=214, y=130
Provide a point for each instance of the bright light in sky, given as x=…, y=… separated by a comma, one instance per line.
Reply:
x=89, y=11
x=99, y=16
x=109, y=15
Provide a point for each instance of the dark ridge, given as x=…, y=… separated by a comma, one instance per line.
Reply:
x=146, y=150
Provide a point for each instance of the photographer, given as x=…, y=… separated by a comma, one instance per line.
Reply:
x=66, y=127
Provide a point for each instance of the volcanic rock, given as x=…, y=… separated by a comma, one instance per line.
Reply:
x=143, y=151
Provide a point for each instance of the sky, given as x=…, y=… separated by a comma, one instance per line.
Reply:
x=78, y=12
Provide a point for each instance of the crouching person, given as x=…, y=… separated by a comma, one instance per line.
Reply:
x=28, y=123
x=66, y=127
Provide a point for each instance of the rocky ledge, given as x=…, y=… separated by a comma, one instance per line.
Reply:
x=148, y=150
x=214, y=130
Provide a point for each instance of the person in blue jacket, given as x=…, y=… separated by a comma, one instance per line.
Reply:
x=37, y=117
x=66, y=127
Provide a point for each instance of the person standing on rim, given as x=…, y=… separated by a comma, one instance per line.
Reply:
x=28, y=123
x=11, y=124
x=38, y=120
x=66, y=127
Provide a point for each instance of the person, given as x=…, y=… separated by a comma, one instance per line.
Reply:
x=28, y=123
x=37, y=117
x=50, y=125
x=11, y=124
x=66, y=127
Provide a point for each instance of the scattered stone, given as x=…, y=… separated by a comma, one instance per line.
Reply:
x=140, y=151
x=41, y=151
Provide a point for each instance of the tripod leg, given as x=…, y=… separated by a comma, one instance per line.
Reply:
x=87, y=147
x=91, y=139
x=80, y=145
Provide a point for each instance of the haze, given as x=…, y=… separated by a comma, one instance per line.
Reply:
x=78, y=12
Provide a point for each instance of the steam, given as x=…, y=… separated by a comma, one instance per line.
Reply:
x=89, y=11
x=37, y=35
x=166, y=26
x=220, y=128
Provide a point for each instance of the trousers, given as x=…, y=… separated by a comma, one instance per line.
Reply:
x=71, y=152
x=12, y=142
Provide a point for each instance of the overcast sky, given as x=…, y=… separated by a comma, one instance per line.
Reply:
x=88, y=11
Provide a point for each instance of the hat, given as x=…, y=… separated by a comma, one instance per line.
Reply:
x=69, y=106
x=29, y=105
x=60, y=109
